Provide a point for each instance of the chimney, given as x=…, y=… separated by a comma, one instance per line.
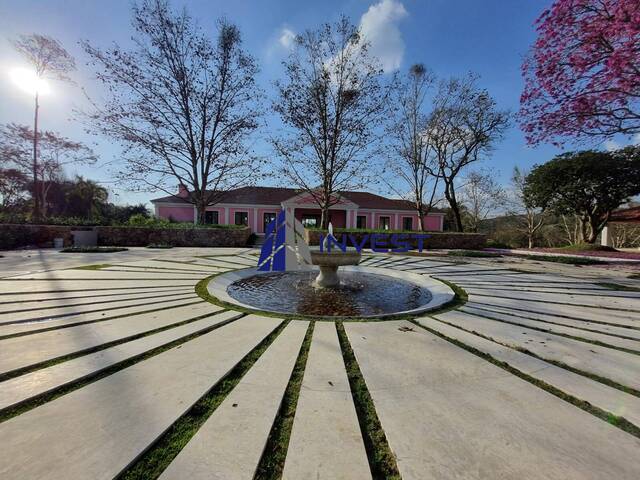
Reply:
x=182, y=191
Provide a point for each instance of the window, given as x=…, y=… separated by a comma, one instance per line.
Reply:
x=407, y=223
x=384, y=223
x=361, y=221
x=242, y=218
x=268, y=218
x=211, y=218
x=311, y=221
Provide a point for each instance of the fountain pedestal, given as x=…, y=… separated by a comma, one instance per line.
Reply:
x=329, y=263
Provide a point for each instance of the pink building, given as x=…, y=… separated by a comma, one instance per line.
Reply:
x=257, y=206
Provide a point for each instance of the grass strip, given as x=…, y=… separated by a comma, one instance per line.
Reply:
x=98, y=266
x=617, y=286
x=86, y=322
x=161, y=453
x=617, y=421
x=93, y=249
x=568, y=260
x=472, y=253
x=561, y=334
x=271, y=463
x=38, y=400
x=382, y=461
x=604, y=380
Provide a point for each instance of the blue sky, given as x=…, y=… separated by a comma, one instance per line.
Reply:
x=489, y=37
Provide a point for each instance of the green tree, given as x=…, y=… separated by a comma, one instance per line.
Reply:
x=588, y=184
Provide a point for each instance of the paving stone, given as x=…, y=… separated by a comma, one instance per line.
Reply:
x=566, y=330
x=164, y=265
x=24, y=387
x=23, y=287
x=448, y=414
x=96, y=431
x=544, y=319
x=613, y=364
x=35, y=327
x=26, y=350
x=231, y=442
x=95, y=275
x=326, y=441
x=48, y=313
x=564, y=289
x=61, y=301
x=602, y=301
x=155, y=271
x=614, y=317
x=6, y=301
x=607, y=398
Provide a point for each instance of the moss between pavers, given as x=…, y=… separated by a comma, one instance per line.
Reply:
x=162, y=452
x=271, y=463
x=608, y=417
x=382, y=461
x=98, y=266
x=38, y=400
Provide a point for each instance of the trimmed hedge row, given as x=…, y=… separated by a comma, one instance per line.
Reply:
x=436, y=240
x=22, y=235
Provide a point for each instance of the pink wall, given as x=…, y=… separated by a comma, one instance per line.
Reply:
x=338, y=217
x=232, y=215
x=179, y=214
x=261, y=212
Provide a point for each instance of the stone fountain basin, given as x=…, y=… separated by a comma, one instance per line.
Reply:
x=336, y=257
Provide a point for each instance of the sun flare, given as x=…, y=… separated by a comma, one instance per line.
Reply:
x=28, y=81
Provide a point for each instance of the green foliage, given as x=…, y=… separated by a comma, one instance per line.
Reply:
x=472, y=253
x=93, y=249
x=139, y=220
x=567, y=260
x=589, y=184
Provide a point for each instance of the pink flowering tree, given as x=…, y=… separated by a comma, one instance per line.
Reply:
x=582, y=76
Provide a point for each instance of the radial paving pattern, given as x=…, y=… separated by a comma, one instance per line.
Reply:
x=124, y=371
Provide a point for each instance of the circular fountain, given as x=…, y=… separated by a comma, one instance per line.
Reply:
x=353, y=291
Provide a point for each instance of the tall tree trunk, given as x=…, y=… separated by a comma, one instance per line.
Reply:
x=324, y=219
x=530, y=237
x=201, y=208
x=450, y=195
x=36, y=196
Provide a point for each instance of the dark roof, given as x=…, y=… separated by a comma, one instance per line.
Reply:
x=277, y=195
x=626, y=215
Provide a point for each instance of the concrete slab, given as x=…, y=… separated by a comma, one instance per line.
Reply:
x=615, y=365
x=74, y=320
x=20, y=389
x=24, y=287
x=448, y=414
x=96, y=431
x=607, y=398
x=570, y=322
x=326, y=441
x=561, y=329
x=576, y=312
x=93, y=275
x=49, y=313
x=231, y=441
x=600, y=301
x=57, y=301
x=26, y=350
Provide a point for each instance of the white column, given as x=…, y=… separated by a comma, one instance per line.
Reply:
x=606, y=238
x=255, y=220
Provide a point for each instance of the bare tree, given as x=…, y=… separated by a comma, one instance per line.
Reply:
x=49, y=61
x=463, y=128
x=413, y=166
x=482, y=196
x=183, y=107
x=331, y=102
x=54, y=152
x=529, y=218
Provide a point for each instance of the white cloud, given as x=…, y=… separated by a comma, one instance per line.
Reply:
x=286, y=38
x=379, y=26
x=611, y=145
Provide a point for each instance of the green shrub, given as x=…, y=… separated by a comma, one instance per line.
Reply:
x=93, y=249
x=567, y=260
x=472, y=253
x=159, y=245
x=152, y=222
x=496, y=244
